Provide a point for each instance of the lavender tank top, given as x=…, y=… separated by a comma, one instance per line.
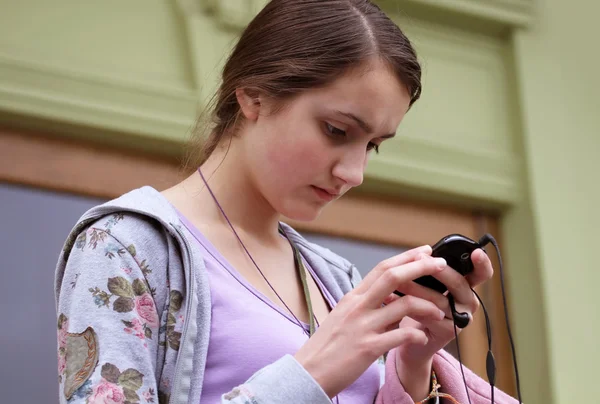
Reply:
x=249, y=332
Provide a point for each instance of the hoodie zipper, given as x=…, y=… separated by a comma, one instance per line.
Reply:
x=190, y=293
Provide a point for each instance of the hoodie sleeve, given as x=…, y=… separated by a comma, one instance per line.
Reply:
x=447, y=384
x=284, y=381
x=109, y=310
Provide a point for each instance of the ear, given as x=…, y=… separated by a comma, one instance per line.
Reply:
x=249, y=101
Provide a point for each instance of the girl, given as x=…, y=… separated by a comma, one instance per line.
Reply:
x=199, y=294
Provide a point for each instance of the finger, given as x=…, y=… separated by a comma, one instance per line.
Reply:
x=401, y=336
x=457, y=285
x=441, y=301
x=391, y=279
x=483, y=269
x=408, y=306
x=395, y=261
x=391, y=298
x=440, y=330
x=414, y=289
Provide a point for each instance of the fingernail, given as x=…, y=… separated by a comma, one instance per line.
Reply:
x=442, y=315
x=440, y=262
x=480, y=258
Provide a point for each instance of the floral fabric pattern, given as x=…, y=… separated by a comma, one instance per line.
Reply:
x=117, y=387
x=116, y=279
x=130, y=297
x=173, y=337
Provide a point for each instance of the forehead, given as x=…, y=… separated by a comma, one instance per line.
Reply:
x=375, y=94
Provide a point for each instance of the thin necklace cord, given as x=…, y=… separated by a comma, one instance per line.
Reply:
x=311, y=314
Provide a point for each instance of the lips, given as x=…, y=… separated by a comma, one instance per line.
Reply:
x=326, y=194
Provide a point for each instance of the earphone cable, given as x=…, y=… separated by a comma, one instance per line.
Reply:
x=483, y=241
x=462, y=371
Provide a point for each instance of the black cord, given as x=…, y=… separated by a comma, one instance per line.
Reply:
x=483, y=241
x=453, y=308
x=490, y=363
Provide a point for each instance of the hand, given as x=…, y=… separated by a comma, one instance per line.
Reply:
x=360, y=328
x=413, y=361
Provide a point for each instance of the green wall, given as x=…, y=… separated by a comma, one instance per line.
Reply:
x=558, y=63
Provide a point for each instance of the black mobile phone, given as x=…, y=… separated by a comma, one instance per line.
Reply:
x=456, y=249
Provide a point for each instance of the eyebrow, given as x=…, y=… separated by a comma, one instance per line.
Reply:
x=363, y=125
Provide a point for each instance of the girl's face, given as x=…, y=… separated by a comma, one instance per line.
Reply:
x=316, y=148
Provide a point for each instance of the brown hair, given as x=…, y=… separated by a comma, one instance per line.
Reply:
x=294, y=45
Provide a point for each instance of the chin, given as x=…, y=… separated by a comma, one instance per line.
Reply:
x=305, y=213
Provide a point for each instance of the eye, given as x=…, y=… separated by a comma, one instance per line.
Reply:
x=333, y=131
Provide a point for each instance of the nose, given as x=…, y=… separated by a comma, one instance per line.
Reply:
x=350, y=167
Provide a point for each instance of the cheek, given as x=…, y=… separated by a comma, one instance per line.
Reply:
x=301, y=157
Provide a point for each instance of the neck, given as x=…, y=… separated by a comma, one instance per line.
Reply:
x=234, y=189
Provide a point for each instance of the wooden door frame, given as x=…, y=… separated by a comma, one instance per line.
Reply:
x=53, y=163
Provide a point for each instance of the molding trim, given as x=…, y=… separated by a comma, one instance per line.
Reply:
x=77, y=97
x=230, y=14
x=456, y=171
x=142, y=113
x=236, y=14
x=513, y=13
x=167, y=114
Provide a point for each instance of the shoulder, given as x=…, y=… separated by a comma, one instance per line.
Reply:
x=120, y=251
x=132, y=231
x=137, y=217
x=134, y=243
x=342, y=271
x=130, y=226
